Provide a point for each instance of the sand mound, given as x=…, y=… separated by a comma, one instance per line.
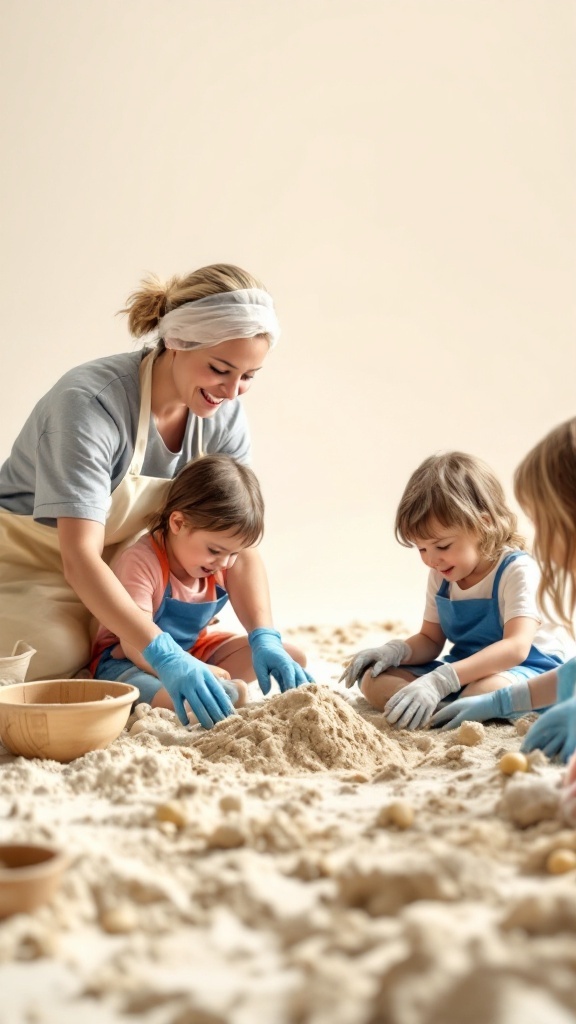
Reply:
x=306, y=730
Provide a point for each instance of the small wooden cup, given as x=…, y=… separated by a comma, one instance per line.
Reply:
x=62, y=719
x=29, y=876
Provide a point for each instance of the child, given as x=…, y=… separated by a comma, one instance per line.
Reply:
x=181, y=574
x=481, y=597
x=545, y=486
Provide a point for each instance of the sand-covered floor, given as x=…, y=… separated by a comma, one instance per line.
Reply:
x=252, y=874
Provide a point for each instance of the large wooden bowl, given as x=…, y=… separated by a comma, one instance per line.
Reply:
x=29, y=876
x=63, y=718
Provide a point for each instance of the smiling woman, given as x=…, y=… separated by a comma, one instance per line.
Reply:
x=96, y=455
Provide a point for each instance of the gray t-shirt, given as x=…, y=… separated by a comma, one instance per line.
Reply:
x=77, y=444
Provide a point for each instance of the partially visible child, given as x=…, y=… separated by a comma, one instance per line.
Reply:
x=545, y=486
x=481, y=597
x=182, y=573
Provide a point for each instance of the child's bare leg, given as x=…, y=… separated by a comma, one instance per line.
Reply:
x=487, y=685
x=235, y=657
x=379, y=690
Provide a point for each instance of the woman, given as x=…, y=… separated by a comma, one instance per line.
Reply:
x=94, y=460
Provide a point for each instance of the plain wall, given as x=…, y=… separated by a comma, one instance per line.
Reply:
x=400, y=173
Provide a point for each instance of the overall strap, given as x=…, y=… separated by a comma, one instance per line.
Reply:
x=511, y=557
x=443, y=590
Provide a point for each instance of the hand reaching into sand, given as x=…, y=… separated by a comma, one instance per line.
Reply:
x=187, y=678
x=414, y=705
x=554, y=732
x=389, y=655
x=270, y=659
x=506, y=703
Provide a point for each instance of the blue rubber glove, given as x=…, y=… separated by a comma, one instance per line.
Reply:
x=270, y=659
x=506, y=703
x=566, y=681
x=554, y=732
x=414, y=705
x=187, y=678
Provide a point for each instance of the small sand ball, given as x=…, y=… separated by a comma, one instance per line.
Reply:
x=471, y=734
x=138, y=727
x=522, y=725
x=512, y=762
x=397, y=813
x=119, y=920
x=141, y=710
x=560, y=861
x=174, y=812
x=226, y=837
x=231, y=802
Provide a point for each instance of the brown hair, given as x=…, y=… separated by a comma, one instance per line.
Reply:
x=215, y=493
x=545, y=486
x=154, y=298
x=457, y=490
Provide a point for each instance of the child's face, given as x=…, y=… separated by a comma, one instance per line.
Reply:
x=194, y=554
x=453, y=552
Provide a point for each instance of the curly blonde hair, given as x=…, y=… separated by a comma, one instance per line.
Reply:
x=545, y=487
x=458, y=491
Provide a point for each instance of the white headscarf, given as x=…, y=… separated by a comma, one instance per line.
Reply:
x=243, y=313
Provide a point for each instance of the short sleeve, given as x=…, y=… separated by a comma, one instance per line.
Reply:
x=518, y=589
x=140, y=573
x=74, y=458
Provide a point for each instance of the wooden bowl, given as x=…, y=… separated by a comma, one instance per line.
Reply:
x=63, y=718
x=29, y=876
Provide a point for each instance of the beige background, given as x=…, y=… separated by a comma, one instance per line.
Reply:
x=401, y=175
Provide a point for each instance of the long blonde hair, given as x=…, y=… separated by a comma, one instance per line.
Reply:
x=154, y=298
x=457, y=490
x=545, y=487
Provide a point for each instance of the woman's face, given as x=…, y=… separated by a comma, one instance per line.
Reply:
x=206, y=377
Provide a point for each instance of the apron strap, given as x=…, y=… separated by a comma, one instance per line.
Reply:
x=146, y=367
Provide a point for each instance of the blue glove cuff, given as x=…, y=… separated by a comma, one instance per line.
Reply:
x=512, y=700
x=161, y=647
x=262, y=631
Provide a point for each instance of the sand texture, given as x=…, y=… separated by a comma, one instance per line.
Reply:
x=300, y=864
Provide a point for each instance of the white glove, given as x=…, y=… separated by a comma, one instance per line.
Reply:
x=415, y=704
x=390, y=655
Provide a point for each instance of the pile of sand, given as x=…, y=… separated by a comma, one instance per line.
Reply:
x=311, y=729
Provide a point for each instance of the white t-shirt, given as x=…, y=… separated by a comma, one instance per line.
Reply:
x=516, y=597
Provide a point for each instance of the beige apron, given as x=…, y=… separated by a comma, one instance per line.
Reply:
x=36, y=604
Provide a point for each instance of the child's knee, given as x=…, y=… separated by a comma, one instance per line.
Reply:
x=296, y=654
x=377, y=691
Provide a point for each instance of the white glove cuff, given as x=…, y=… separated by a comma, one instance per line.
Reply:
x=446, y=680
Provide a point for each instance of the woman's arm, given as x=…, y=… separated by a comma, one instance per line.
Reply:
x=512, y=650
x=81, y=548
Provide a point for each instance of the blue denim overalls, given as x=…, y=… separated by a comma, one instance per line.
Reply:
x=472, y=625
